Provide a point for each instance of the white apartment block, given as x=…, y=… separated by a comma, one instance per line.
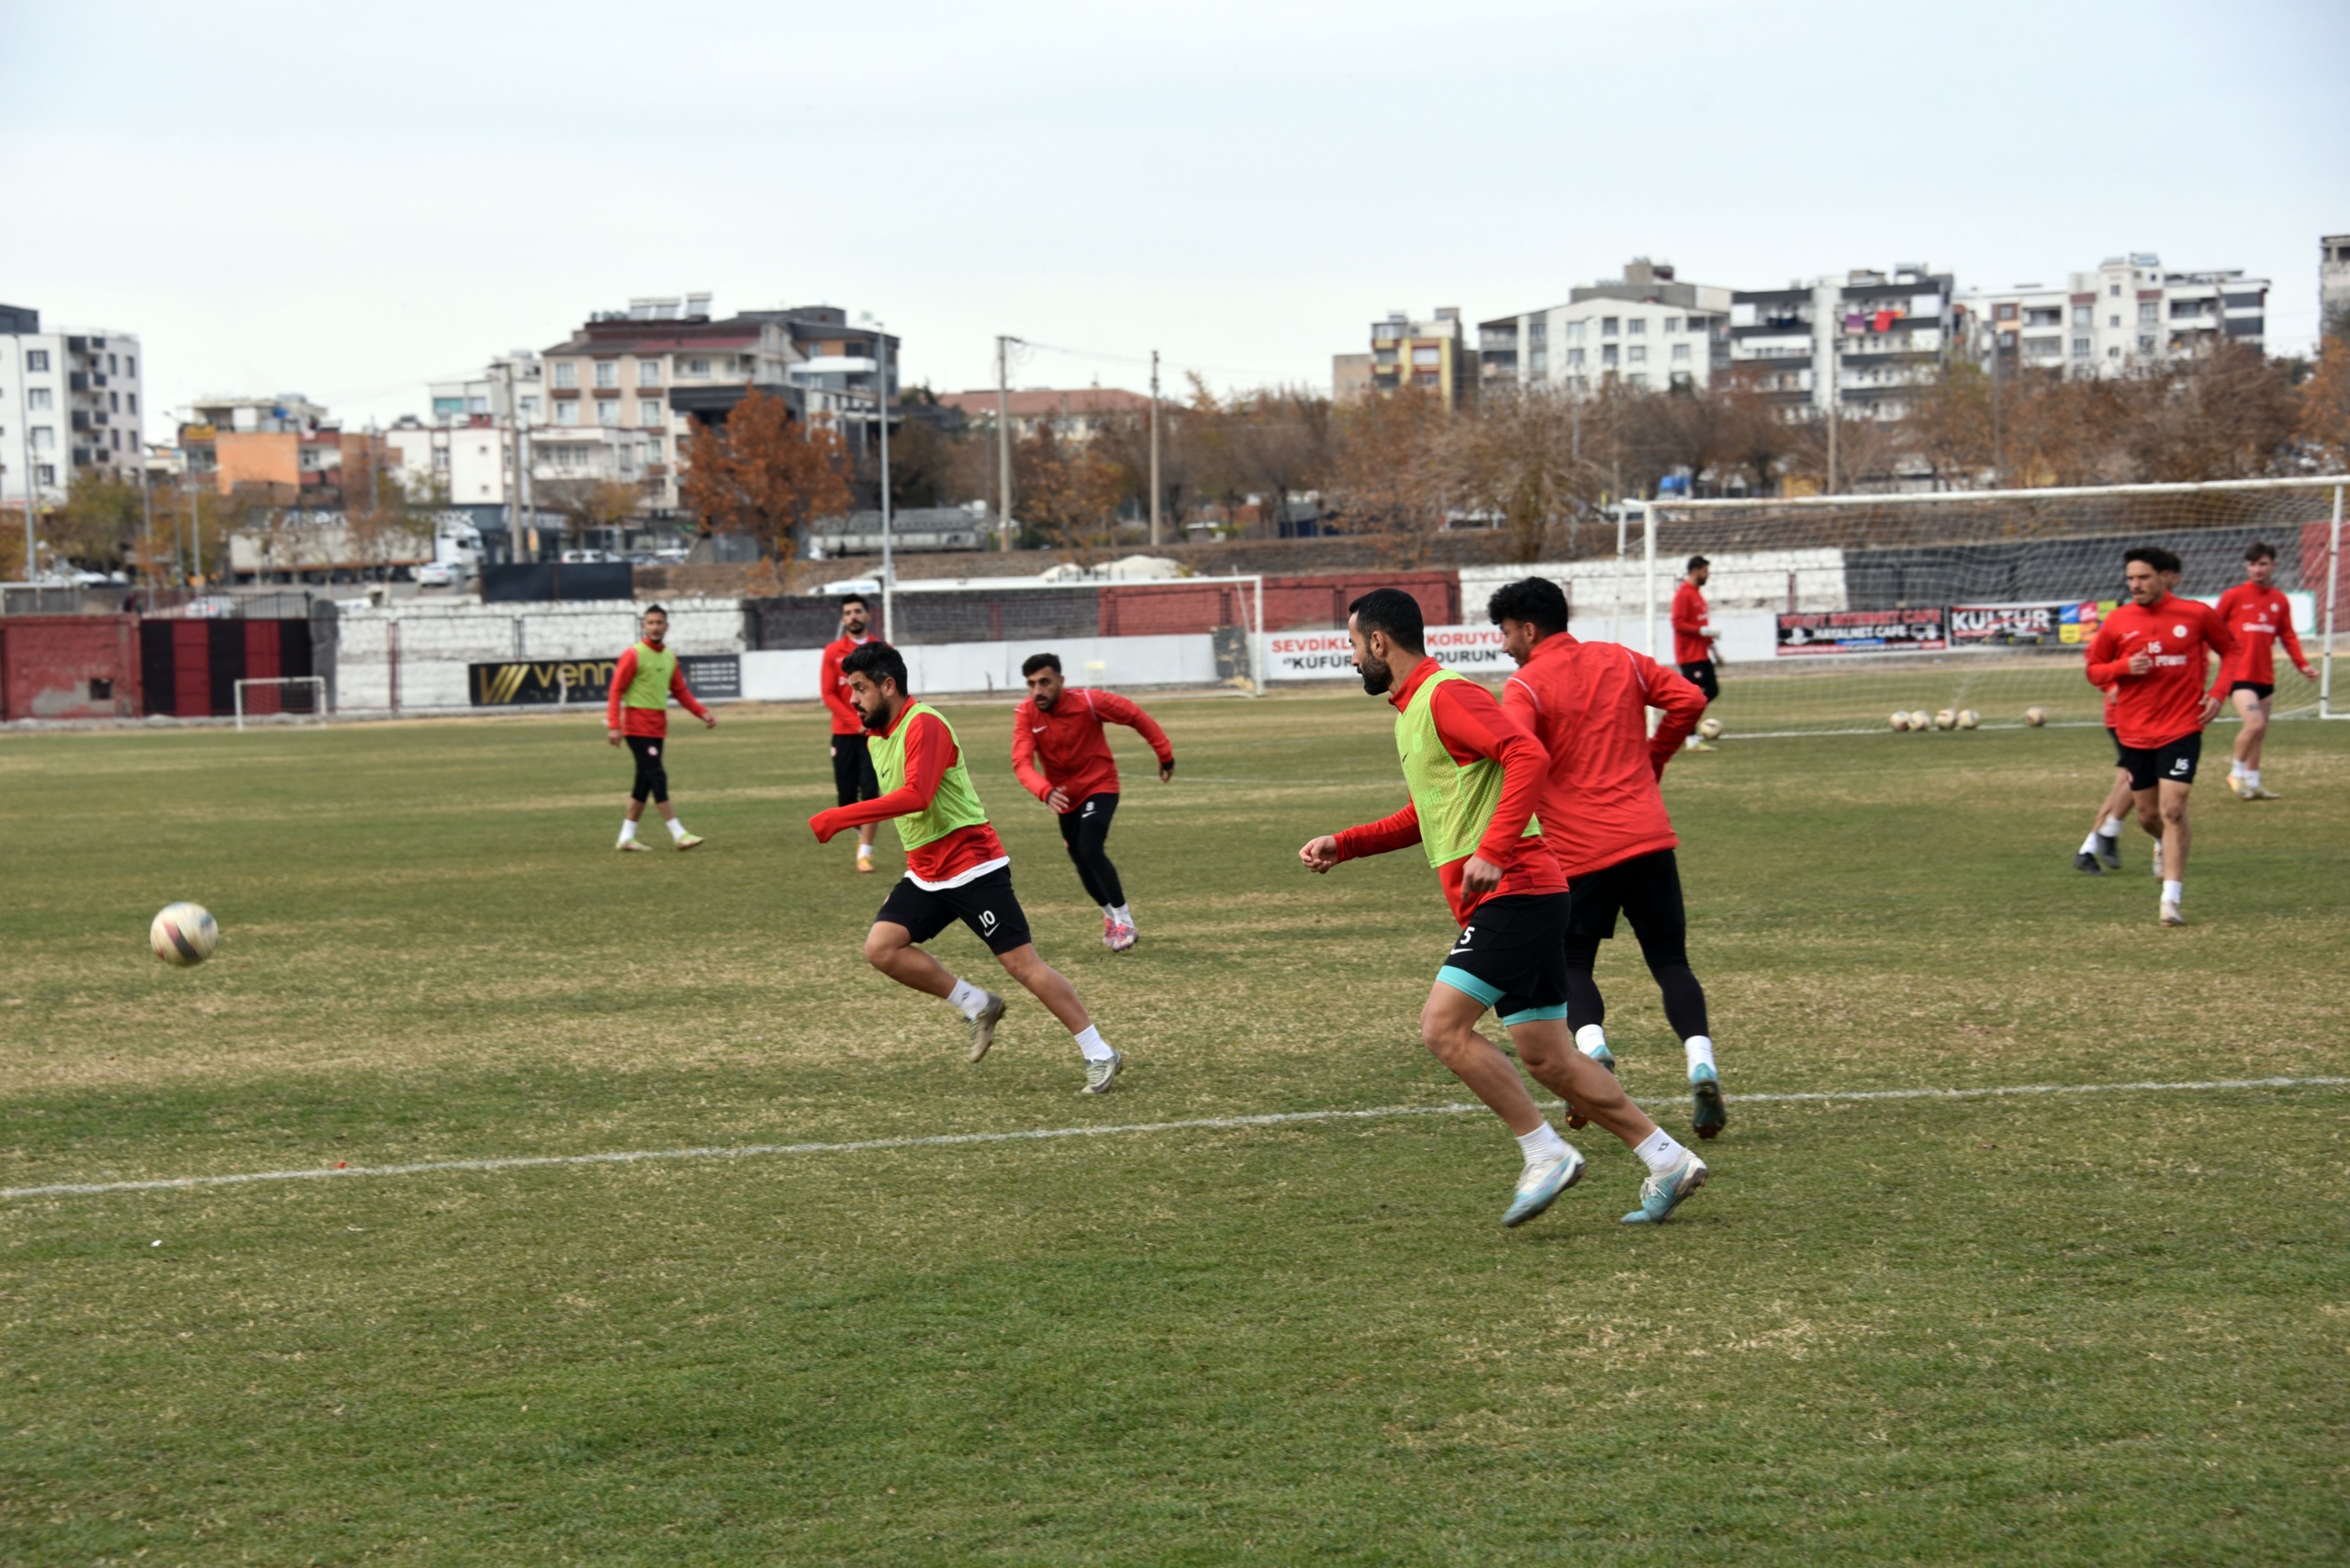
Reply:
x=2334, y=283
x=513, y=378
x=466, y=464
x=70, y=404
x=1860, y=343
x=1646, y=332
x=2128, y=314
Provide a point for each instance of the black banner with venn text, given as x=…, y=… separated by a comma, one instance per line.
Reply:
x=513, y=683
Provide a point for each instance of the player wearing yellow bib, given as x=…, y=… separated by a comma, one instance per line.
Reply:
x=1472, y=777
x=637, y=712
x=955, y=866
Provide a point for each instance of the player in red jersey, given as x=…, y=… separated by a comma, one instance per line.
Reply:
x=637, y=714
x=1472, y=779
x=853, y=777
x=1603, y=816
x=955, y=866
x=2261, y=618
x=2154, y=651
x=2101, y=851
x=1694, y=637
x=1078, y=779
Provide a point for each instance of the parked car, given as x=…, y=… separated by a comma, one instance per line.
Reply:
x=211, y=606
x=588, y=557
x=440, y=575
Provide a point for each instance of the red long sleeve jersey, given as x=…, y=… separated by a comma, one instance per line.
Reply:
x=2166, y=702
x=1472, y=726
x=2260, y=619
x=832, y=686
x=1067, y=739
x=646, y=721
x=1587, y=703
x=943, y=862
x=1689, y=612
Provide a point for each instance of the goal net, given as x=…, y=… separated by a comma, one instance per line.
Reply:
x=285, y=699
x=1835, y=612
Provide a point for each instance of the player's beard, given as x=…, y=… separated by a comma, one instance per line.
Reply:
x=875, y=721
x=1376, y=676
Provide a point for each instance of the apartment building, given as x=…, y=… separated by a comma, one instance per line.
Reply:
x=510, y=389
x=1646, y=331
x=1429, y=356
x=2334, y=284
x=1861, y=343
x=464, y=460
x=70, y=404
x=1076, y=413
x=287, y=447
x=2128, y=314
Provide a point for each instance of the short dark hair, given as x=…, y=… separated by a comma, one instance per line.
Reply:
x=2154, y=555
x=1537, y=601
x=1696, y=562
x=1393, y=612
x=1035, y=662
x=878, y=662
x=849, y=599
x=2261, y=553
x=652, y=609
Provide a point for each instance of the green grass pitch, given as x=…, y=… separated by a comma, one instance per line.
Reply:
x=2087, y=1328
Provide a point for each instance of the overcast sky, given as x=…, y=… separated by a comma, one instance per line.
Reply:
x=348, y=201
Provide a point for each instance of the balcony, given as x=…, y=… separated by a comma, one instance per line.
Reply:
x=80, y=420
x=77, y=381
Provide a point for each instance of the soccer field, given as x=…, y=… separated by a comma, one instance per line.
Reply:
x=2082, y=1327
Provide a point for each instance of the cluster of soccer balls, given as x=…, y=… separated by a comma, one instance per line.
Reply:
x=1948, y=719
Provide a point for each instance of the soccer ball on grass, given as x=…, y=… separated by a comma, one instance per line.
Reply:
x=1709, y=729
x=1900, y=720
x=184, y=934
x=1946, y=720
x=2035, y=716
x=1968, y=717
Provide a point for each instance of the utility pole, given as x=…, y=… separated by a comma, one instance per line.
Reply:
x=1003, y=442
x=1153, y=449
x=147, y=511
x=514, y=480
x=32, y=478
x=881, y=401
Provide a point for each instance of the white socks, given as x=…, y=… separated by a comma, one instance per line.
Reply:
x=2252, y=777
x=864, y=852
x=966, y=999
x=1590, y=1038
x=2112, y=828
x=2174, y=891
x=676, y=828
x=1700, y=1051
x=628, y=830
x=1119, y=912
x=1089, y=1040
x=1542, y=1143
x=1659, y=1152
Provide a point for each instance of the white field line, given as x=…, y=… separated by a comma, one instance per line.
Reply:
x=1032, y=1135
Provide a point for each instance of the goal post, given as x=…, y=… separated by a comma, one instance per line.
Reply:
x=293, y=699
x=1836, y=612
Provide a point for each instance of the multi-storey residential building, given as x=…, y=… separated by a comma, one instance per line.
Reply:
x=514, y=378
x=464, y=463
x=285, y=447
x=1075, y=413
x=2334, y=284
x=70, y=404
x=1646, y=330
x=1861, y=343
x=1350, y=377
x=2127, y=315
x=1427, y=356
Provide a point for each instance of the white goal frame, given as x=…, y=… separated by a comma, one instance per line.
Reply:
x=317, y=712
x=1690, y=510
x=1253, y=642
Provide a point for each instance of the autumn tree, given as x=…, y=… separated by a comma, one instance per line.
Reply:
x=590, y=505
x=1516, y=459
x=1386, y=478
x=2321, y=411
x=1067, y=492
x=766, y=475
x=100, y=523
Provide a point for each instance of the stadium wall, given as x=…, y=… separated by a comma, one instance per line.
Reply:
x=69, y=666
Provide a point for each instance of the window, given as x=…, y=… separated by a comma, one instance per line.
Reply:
x=1673, y=323
x=1639, y=352
x=1541, y=363
x=648, y=414
x=2113, y=320
x=478, y=405
x=698, y=367
x=2003, y=312
x=529, y=407
x=1636, y=380
x=114, y=402
x=2114, y=289
x=653, y=450
x=1607, y=325
x=44, y=473
x=1574, y=359
x=1607, y=356
x=608, y=373
x=1538, y=335
x=2148, y=310
x=2145, y=345
x=44, y=439
x=40, y=397
x=1681, y=354
x=566, y=373
x=2113, y=353
x=1383, y=356
x=607, y=412
x=1424, y=355
x=130, y=364
x=1636, y=326
x=2083, y=316
x=1574, y=333
x=2080, y=348
x=648, y=372
x=134, y=402
x=36, y=360
x=566, y=413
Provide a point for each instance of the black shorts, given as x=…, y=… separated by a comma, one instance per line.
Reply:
x=986, y=904
x=2264, y=690
x=853, y=778
x=1511, y=956
x=1701, y=675
x=2173, y=763
x=1646, y=889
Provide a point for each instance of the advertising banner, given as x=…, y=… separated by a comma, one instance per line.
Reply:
x=2052, y=623
x=509, y=683
x=1835, y=632
x=1330, y=655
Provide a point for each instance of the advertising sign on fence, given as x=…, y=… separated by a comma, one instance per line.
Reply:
x=1330, y=655
x=1863, y=631
x=715, y=677
x=2065, y=623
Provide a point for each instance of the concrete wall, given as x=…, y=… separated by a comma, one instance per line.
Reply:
x=983, y=669
x=1741, y=580
x=48, y=664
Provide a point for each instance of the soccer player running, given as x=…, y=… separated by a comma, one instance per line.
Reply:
x=2154, y=651
x=1694, y=637
x=1474, y=778
x=1062, y=725
x=955, y=866
x=853, y=777
x=1603, y=816
x=2260, y=617
x=2101, y=851
x=637, y=712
